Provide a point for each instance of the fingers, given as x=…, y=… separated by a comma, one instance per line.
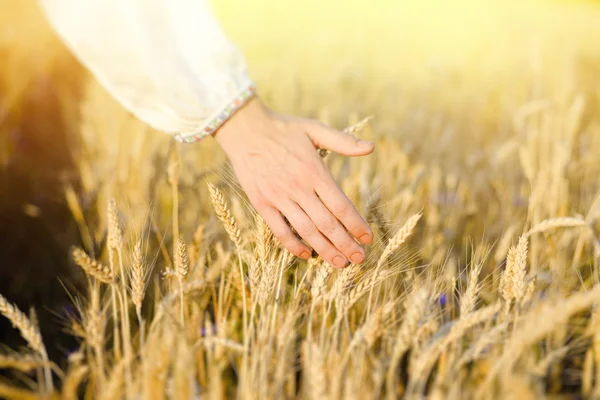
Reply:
x=331, y=228
x=339, y=142
x=342, y=208
x=283, y=232
x=311, y=234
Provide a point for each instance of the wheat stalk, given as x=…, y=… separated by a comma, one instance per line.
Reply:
x=343, y=281
x=554, y=223
x=115, y=247
x=319, y=283
x=138, y=286
x=366, y=284
x=71, y=384
x=181, y=271
x=12, y=392
x=138, y=278
x=552, y=357
x=422, y=367
x=114, y=242
x=21, y=362
x=468, y=300
x=537, y=324
x=92, y=267
x=94, y=327
x=374, y=215
x=223, y=212
x=29, y=332
x=399, y=238
x=513, y=284
x=115, y=236
x=114, y=386
x=483, y=342
x=393, y=244
x=173, y=175
x=315, y=384
x=415, y=307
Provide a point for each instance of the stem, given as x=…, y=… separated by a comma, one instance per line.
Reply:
x=126, y=348
x=310, y=320
x=125, y=327
x=182, y=313
x=138, y=311
x=371, y=290
x=47, y=373
x=247, y=342
x=97, y=346
x=220, y=296
x=175, y=194
x=283, y=262
x=115, y=312
x=245, y=306
x=324, y=321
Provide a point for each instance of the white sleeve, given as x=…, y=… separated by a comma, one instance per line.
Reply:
x=166, y=61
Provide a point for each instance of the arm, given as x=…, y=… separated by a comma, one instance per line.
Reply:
x=169, y=63
x=166, y=61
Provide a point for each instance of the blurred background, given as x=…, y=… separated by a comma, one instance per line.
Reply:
x=461, y=92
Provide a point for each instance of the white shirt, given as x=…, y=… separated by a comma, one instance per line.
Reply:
x=166, y=61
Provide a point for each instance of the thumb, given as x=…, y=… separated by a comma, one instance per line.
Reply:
x=339, y=142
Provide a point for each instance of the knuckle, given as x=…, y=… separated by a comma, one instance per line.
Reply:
x=305, y=227
x=327, y=224
x=347, y=244
x=340, y=207
x=329, y=252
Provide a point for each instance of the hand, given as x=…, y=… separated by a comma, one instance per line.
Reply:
x=275, y=160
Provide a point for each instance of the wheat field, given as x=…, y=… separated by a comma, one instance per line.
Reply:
x=483, y=281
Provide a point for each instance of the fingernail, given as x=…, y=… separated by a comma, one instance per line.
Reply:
x=365, y=143
x=305, y=255
x=366, y=238
x=357, y=257
x=340, y=262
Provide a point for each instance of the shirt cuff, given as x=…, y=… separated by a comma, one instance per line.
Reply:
x=226, y=112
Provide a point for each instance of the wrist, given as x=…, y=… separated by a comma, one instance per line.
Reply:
x=236, y=129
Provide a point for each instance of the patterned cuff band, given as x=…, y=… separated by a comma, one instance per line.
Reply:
x=215, y=123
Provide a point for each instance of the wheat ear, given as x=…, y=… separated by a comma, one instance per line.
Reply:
x=20, y=362
x=223, y=212
x=393, y=244
x=92, y=267
x=554, y=223
x=114, y=241
x=29, y=332
x=138, y=286
x=181, y=270
x=513, y=285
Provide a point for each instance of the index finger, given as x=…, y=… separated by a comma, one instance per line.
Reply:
x=342, y=208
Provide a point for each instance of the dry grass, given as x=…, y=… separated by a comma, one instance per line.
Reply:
x=484, y=278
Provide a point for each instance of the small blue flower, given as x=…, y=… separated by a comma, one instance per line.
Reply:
x=203, y=330
x=443, y=299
